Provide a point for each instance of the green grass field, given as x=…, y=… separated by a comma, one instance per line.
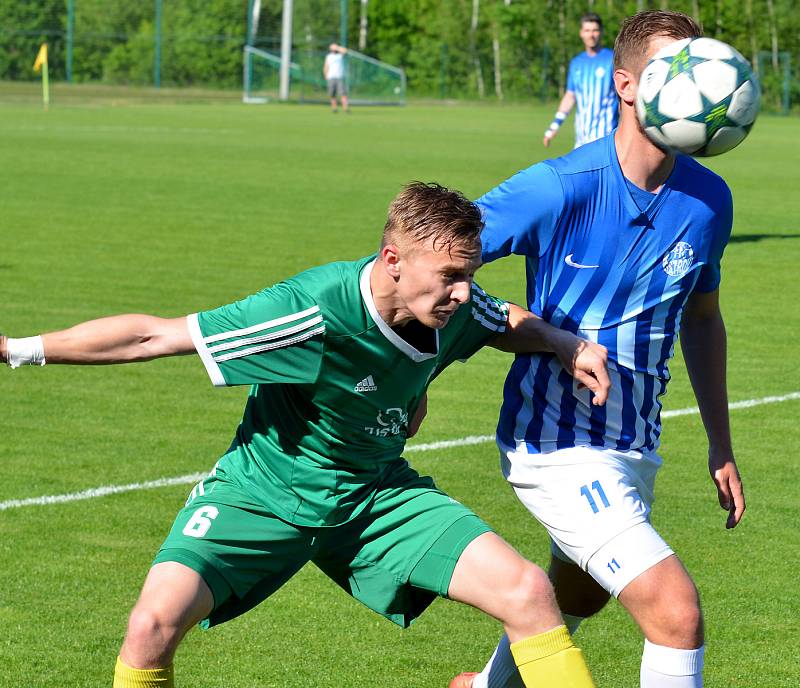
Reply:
x=170, y=208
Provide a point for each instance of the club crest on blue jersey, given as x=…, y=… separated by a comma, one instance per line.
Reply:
x=679, y=260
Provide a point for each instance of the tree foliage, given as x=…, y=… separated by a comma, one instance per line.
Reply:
x=519, y=48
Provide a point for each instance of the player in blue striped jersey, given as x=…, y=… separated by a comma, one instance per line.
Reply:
x=622, y=242
x=590, y=88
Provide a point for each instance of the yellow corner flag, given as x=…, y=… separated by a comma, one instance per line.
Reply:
x=41, y=58
x=41, y=63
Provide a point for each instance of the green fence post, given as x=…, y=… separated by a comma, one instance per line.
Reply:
x=70, y=36
x=545, y=72
x=443, y=71
x=157, y=55
x=787, y=84
x=343, y=23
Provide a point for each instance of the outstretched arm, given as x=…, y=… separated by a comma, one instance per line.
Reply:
x=564, y=108
x=117, y=339
x=584, y=360
x=704, y=345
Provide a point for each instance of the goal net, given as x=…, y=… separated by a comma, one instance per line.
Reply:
x=369, y=81
x=774, y=72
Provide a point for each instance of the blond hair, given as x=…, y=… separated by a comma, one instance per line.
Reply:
x=423, y=213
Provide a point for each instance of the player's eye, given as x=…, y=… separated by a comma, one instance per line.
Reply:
x=451, y=277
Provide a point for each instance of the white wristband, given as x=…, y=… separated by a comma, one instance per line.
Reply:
x=555, y=124
x=26, y=351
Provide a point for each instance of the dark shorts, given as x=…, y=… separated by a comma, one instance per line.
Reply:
x=396, y=557
x=336, y=87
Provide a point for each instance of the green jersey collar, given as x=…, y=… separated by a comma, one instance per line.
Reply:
x=388, y=332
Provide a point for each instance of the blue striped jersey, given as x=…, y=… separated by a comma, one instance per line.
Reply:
x=590, y=78
x=602, y=268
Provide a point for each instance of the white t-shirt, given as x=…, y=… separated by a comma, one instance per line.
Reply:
x=334, y=66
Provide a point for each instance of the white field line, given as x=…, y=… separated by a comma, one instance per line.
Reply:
x=101, y=491
x=430, y=446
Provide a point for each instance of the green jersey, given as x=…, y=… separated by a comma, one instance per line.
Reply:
x=333, y=386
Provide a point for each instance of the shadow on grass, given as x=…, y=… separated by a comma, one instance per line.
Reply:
x=749, y=238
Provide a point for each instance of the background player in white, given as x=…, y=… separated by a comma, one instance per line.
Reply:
x=623, y=242
x=590, y=88
x=333, y=69
x=339, y=358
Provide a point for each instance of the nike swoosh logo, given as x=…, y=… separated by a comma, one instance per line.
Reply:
x=568, y=260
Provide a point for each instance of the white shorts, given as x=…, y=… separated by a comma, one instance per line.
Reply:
x=595, y=503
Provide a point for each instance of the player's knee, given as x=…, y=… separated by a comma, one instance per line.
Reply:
x=530, y=592
x=680, y=619
x=151, y=639
x=685, y=617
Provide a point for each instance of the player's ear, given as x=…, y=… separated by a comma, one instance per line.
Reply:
x=390, y=256
x=625, y=86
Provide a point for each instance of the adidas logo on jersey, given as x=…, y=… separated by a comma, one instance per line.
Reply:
x=366, y=385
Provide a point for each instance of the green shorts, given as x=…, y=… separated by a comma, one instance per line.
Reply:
x=395, y=557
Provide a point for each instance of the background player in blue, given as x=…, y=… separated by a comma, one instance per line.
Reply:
x=590, y=88
x=623, y=243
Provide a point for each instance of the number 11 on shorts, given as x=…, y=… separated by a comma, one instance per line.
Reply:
x=586, y=492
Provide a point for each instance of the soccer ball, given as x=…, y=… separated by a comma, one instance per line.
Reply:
x=697, y=96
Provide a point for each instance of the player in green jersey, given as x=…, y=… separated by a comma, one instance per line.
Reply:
x=339, y=359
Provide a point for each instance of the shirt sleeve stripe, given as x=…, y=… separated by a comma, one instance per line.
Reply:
x=262, y=326
x=488, y=303
x=270, y=346
x=205, y=355
x=489, y=317
x=488, y=324
x=278, y=334
x=486, y=309
x=492, y=308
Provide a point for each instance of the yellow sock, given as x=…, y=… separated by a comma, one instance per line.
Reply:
x=550, y=659
x=128, y=677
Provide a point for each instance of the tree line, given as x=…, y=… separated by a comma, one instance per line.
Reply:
x=498, y=49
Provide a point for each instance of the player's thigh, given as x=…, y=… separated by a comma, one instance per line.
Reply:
x=664, y=602
x=595, y=505
x=400, y=553
x=176, y=594
x=239, y=548
x=493, y=577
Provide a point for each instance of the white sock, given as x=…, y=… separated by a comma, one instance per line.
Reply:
x=501, y=670
x=668, y=667
x=572, y=622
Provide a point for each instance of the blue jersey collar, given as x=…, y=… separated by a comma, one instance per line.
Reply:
x=639, y=216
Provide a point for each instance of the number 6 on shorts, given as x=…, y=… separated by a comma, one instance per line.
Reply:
x=200, y=521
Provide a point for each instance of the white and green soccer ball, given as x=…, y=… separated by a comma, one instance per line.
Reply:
x=697, y=96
